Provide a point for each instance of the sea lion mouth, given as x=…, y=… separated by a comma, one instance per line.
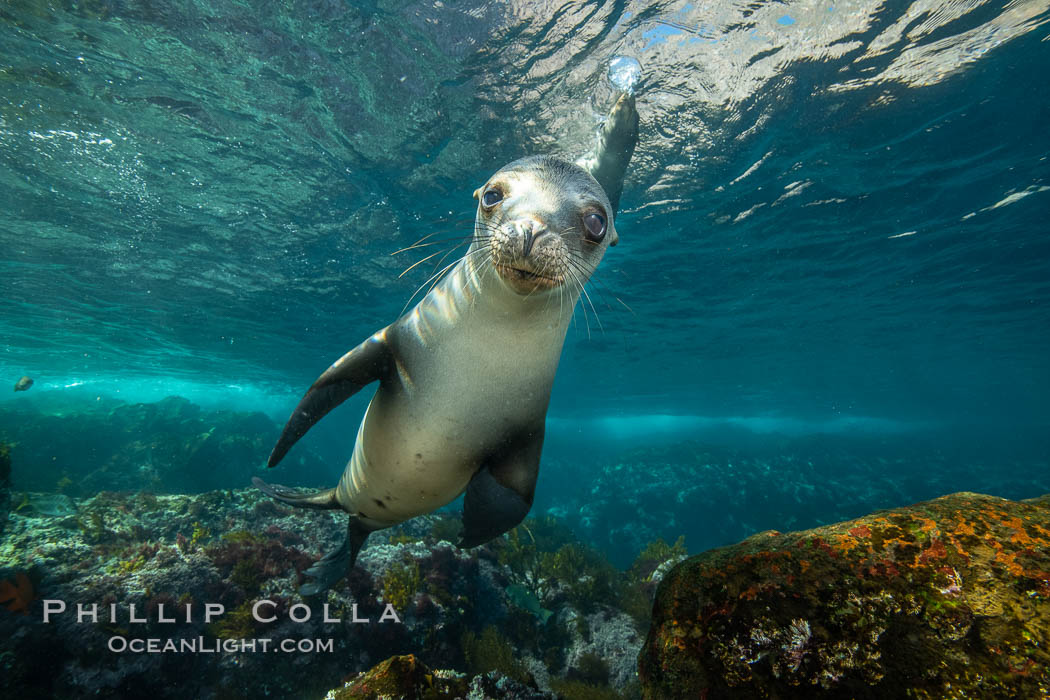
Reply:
x=518, y=276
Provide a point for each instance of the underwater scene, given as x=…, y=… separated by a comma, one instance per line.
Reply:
x=525, y=349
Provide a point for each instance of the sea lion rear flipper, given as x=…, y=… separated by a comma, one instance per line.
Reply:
x=500, y=494
x=324, y=500
x=616, y=142
x=335, y=565
x=366, y=363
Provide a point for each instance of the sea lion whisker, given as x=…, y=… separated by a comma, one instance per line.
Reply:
x=594, y=309
x=486, y=262
x=481, y=250
x=414, y=246
x=601, y=288
x=484, y=226
x=455, y=226
x=575, y=279
x=531, y=291
x=418, y=263
x=586, y=318
x=562, y=300
x=550, y=296
x=600, y=285
x=624, y=304
x=597, y=318
x=604, y=298
x=435, y=278
x=447, y=253
x=429, y=235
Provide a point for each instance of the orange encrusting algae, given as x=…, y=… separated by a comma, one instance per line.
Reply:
x=17, y=596
x=948, y=598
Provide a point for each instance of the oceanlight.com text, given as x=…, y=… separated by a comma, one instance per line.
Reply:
x=202, y=645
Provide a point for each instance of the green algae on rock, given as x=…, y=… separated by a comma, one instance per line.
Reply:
x=5, y=483
x=407, y=678
x=401, y=677
x=944, y=599
x=168, y=554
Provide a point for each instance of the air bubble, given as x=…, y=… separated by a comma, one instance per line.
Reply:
x=624, y=73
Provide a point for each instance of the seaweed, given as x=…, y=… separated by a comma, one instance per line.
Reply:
x=492, y=652
x=197, y=536
x=579, y=690
x=236, y=624
x=656, y=553
x=249, y=560
x=401, y=538
x=445, y=529
x=400, y=584
x=591, y=668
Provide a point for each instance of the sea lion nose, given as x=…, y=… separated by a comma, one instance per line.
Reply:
x=530, y=230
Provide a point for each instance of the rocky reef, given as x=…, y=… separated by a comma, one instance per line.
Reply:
x=407, y=678
x=168, y=446
x=5, y=484
x=717, y=495
x=923, y=602
x=527, y=616
x=945, y=599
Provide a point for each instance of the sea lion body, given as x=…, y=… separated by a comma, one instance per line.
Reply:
x=465, y=377
x=470, y=377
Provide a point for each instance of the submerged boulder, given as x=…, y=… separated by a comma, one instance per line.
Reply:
x=945, y=599
x=401, y=677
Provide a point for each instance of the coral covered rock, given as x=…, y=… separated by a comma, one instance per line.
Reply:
x=945, y=599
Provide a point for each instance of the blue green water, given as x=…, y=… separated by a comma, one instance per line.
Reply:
x=835, y=223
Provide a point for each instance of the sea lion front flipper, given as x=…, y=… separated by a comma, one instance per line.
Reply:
x=500, y=494
x=612, y=153
x=366, y=363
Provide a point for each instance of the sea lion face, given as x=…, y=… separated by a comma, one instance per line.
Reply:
x=543, y=223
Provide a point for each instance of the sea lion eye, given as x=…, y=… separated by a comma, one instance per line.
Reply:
x=594, y=227
x=492, y=197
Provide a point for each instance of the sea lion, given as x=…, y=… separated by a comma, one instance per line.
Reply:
x=23, y=384
x=465, y=377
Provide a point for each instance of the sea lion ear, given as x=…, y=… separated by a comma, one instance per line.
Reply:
x=614, y=238
x=477, y=193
